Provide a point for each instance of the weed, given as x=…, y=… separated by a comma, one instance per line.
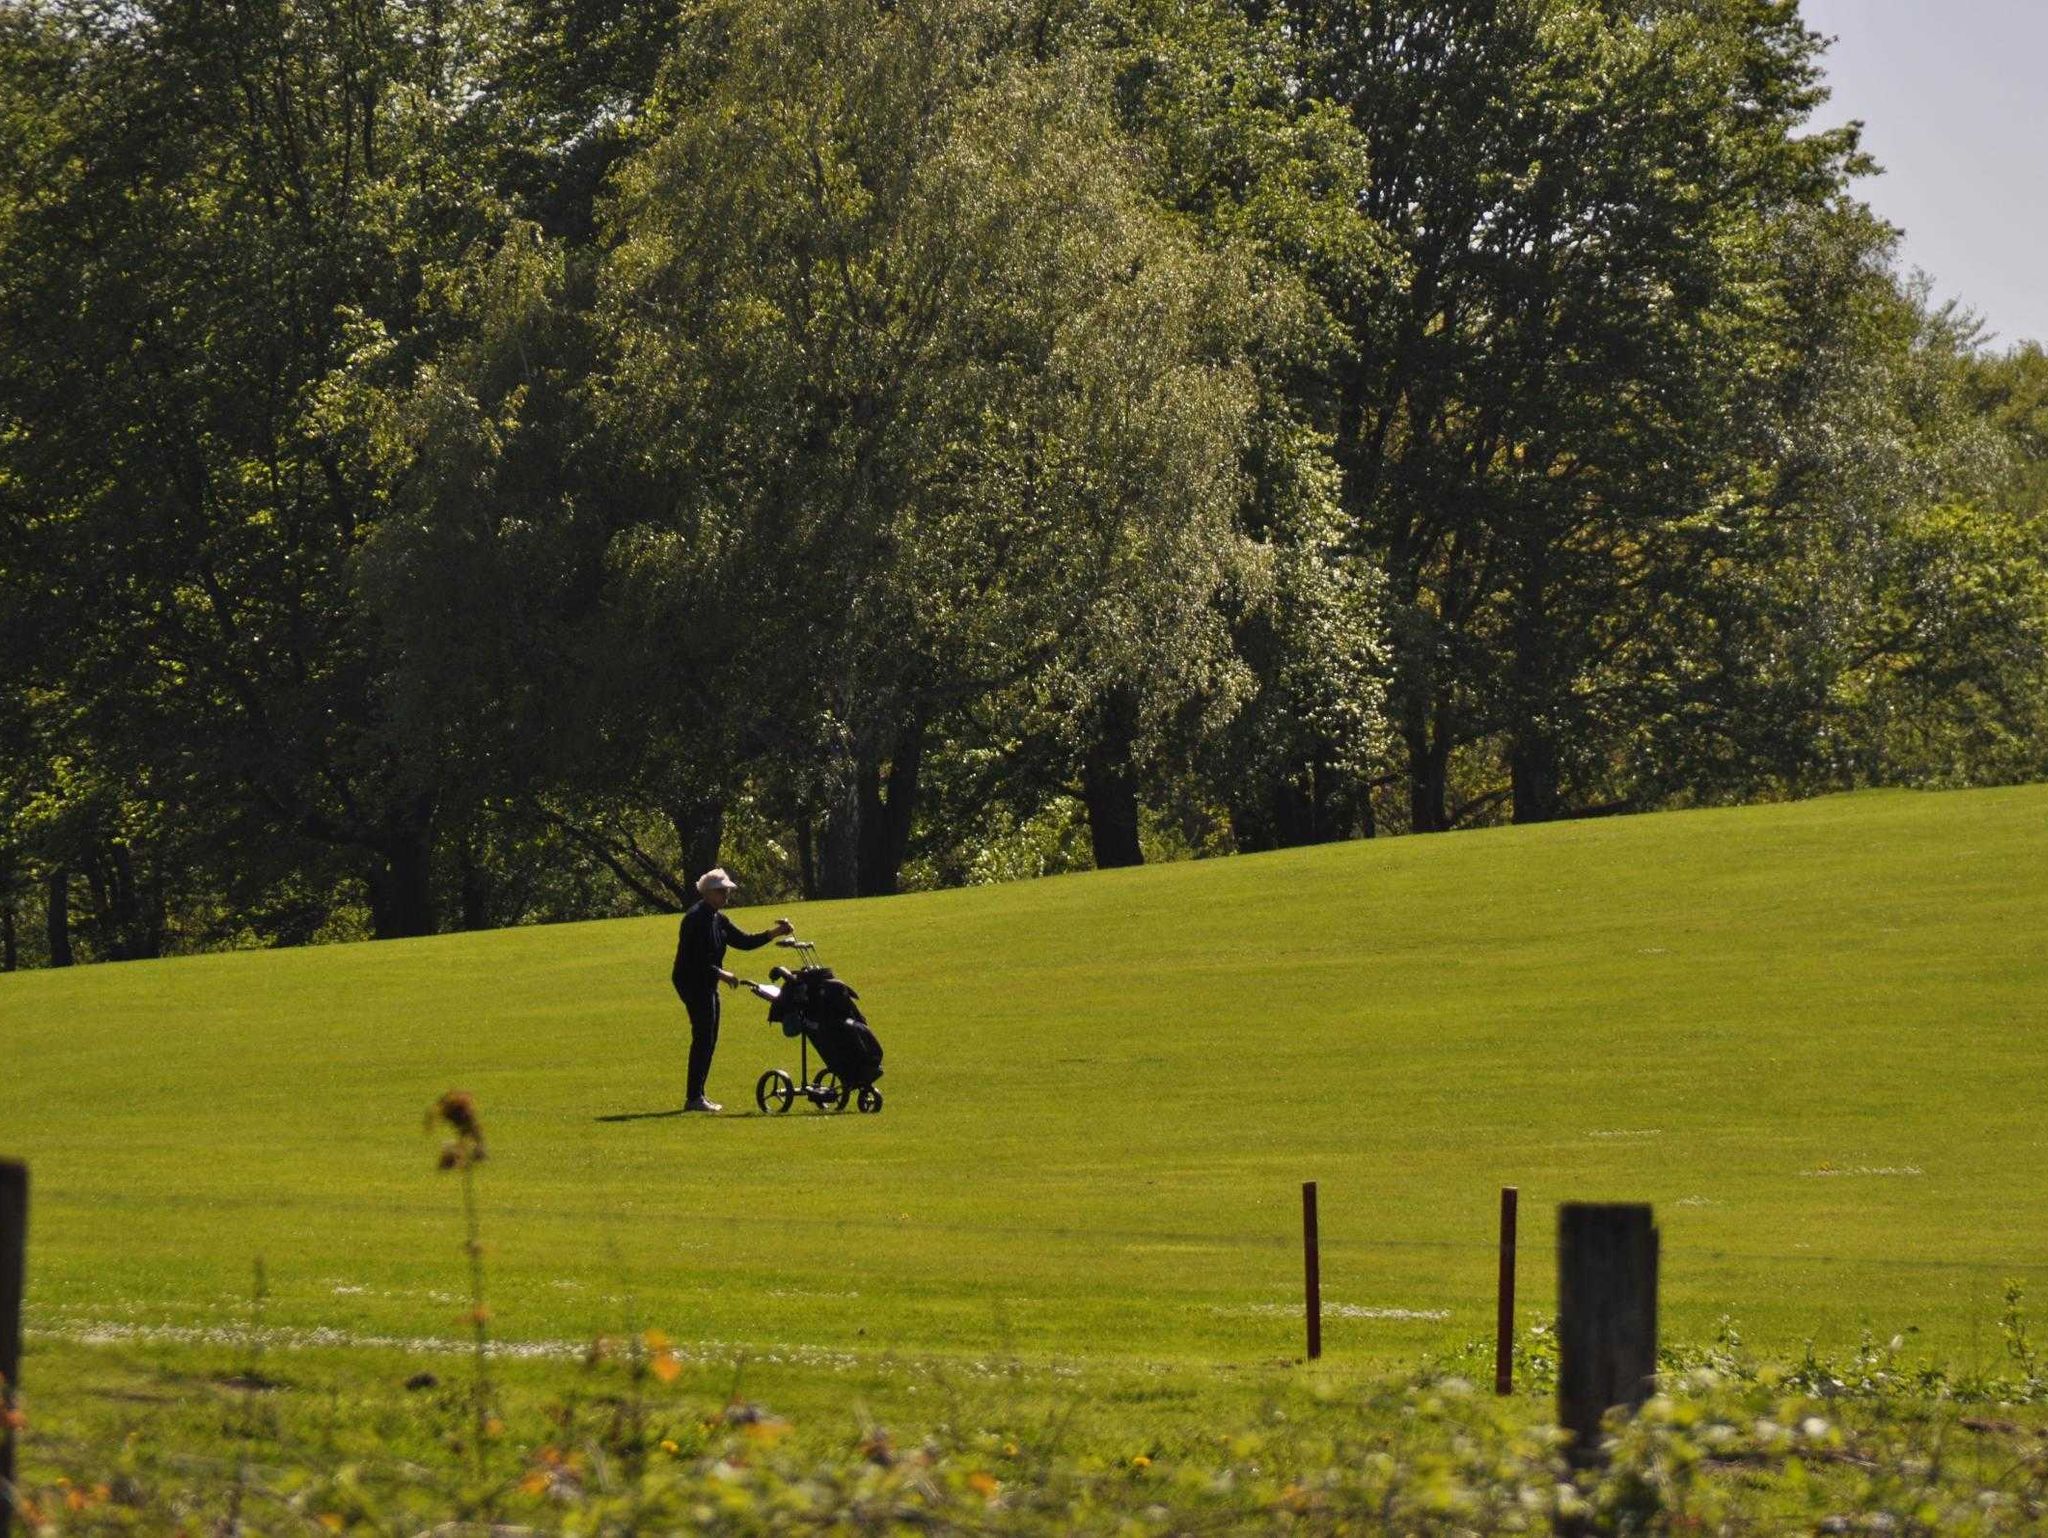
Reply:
x=462, y=1153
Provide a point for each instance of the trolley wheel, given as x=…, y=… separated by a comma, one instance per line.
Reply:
x=774, y=1093
x=827, y=1093
x=870, y=1100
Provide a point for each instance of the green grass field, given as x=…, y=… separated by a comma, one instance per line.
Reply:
x=1814, y=1035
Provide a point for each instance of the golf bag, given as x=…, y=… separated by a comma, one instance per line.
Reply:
x=818, y=1006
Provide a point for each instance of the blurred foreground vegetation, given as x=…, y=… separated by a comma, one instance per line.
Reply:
x=633, y=1442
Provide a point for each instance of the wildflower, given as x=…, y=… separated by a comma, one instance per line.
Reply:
x=1009, y=1449
x=1141, y=1462
x=668, y=1446
x=984, y=1484
x=665, y=1366
x=458, y=1109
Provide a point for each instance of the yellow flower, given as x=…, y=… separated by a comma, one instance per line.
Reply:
x=669, y=1447
x=984, y=1484
x=1141, y=1462
x=665, y=1366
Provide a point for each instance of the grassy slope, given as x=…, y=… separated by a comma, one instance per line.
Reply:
x=1103, y=1093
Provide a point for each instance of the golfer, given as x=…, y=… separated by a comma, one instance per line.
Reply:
x=699, y=969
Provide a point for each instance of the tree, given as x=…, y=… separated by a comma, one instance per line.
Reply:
x=931, y=401
x=226, y=200
x=1555, y=393
x=1279, y=179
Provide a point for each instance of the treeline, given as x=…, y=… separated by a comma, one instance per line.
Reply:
x=466, y=462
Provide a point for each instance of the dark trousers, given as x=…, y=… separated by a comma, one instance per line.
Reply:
x=703, y=1008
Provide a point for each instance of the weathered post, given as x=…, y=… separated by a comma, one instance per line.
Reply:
x=1311, y=1248
x=1504, y=1324
x=1606, y=1317
x=13, y=1275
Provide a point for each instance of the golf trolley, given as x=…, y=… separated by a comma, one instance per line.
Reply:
x=819, y=1010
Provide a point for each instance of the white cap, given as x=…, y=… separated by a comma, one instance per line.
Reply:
x=716, y=880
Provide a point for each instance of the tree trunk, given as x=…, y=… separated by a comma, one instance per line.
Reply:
x=402, y=883
x=1109, y=784
x=10, y=946
x=137, y=918
x=1303, y=810
x=474, y=888
x=1251, y=826
x=885, y=823
x=145, y=907
x=700, y=834
x=59, y=889
x=839, y=845
x=105, y=928
x=806, y=856
x=1293, y=815
x=1429, y=765
x=1532, y=776
x=1533, y=746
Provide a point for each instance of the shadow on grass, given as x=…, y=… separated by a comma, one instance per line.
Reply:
x=672, y=1114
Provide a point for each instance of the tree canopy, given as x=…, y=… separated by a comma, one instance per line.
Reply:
x=486, y=463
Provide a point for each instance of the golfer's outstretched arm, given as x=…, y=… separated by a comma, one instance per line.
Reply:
x=746, y=942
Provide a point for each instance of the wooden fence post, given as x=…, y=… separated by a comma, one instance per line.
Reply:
x=1606, y=1317
x=1312, y=1258
x=1504, y=1326
x=13, y=1274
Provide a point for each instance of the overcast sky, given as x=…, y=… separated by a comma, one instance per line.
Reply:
x=1953, y=95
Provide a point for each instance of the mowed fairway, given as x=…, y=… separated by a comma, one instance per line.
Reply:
x=1815, y=1036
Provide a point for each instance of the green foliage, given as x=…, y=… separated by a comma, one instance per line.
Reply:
x=624, y=1443
x=485, y=464
x=904, y=350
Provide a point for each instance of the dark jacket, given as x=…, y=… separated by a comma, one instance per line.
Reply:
x=700, y=947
